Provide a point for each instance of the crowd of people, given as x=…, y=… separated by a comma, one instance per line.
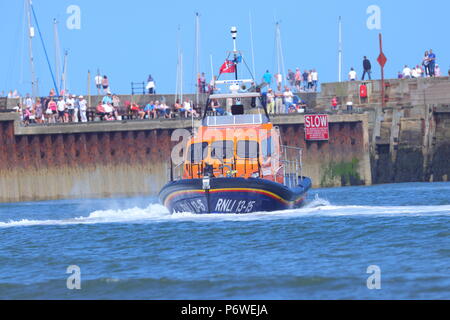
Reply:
x=75, y=109
x=279, y=96
x=306, y=81
x=53, y=109
x=427, y=68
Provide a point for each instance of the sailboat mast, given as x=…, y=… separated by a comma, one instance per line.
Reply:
x=178, y=65
x=181, y=77
x=64, y=75
x=30, y=48
x=340, y=49
x=280, y=56
x=197, y=55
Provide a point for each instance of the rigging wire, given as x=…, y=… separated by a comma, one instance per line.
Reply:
x=43, y=45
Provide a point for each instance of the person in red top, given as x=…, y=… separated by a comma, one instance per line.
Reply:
x=100, y=110
x=334, y=103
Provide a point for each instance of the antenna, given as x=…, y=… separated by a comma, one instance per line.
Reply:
x=31, y=34
x=251, y=43
x=212, y=66
x=280, y=56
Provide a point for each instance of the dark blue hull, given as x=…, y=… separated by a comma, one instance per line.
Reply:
x=232, y=195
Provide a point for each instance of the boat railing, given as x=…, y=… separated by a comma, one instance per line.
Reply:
x=176, y=173
x=247, y=119
x=292, y=165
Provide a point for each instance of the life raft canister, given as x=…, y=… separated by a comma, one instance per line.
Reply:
x=363, y=91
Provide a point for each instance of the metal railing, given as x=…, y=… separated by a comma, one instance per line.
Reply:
x=292, y=165
x=176, y=172
x=290, y=161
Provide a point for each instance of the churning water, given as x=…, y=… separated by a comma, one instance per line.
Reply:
x=134, y=249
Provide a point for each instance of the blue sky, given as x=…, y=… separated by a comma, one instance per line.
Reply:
x=128, y=40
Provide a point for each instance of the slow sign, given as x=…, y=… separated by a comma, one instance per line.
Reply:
x=316, y=127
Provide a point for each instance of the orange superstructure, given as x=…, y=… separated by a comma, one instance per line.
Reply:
x=237, y=150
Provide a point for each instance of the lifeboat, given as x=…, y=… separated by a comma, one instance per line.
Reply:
x=235, y=162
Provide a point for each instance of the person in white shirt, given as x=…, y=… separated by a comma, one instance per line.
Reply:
x=83, y=108
x=28, y=102
x=98, y=82
x=288, y=99
x=419, y=71
x=108, y=108
x=61, y=110
x=188, y=108
x=70, y=104
x=352, y=75
x=406, y=72
x=315, y=79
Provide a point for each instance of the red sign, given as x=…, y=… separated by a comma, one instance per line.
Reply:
x=316, y=127
x=382, y=59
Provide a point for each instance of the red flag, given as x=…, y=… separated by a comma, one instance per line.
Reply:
x=228, y=67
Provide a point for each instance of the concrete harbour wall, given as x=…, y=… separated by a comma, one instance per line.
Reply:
x=131, y=158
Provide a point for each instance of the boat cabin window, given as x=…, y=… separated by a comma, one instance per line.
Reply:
x=247, y=149
x=197, y=152
x=266, y=147
x=222, y=149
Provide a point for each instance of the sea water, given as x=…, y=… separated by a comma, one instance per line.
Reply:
x=380, y=242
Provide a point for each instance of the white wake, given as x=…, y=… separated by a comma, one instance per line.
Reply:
x=158, y=213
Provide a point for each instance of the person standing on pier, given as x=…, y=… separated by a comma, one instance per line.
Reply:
x=315, y=79
x=291, y=78
x=202, y=83
x=70, y=103
x=426, y=64
x=270, y=101
x=98, y=82
x=352, y=76
x=83, y=108
x=305, y=77
x=367, y=66
x=150, y=85
x=432, y=63
x=267, y=78
x=298, y=80
x=105, y=84
x=61, y=109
